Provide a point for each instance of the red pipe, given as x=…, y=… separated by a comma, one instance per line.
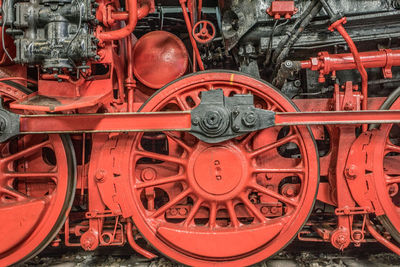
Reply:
x=199, y=9
x=130, y=82
x=190, y=30
x=327, y=63
x=338, y=25
x=142, y=12
x=381, y=239
x=133, y=15
x=134, y=245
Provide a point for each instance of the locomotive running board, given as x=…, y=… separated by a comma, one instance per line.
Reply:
x=216, y=119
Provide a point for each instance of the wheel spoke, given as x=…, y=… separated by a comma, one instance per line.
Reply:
x=253, y=208
x=273, y=108
x=196, y=98
x=248, y=138
x=392, y=179
x=27, y=151
x=13, y=193
x=273, y=194
x=267, y=170
x=173, y=202
x=193, y=212
x=392, y=148
x=161, y=181
x=179, y=142
x=182, y=103
x=274, y=145
x=161, y=157
x=213, y=215
x=232, y=213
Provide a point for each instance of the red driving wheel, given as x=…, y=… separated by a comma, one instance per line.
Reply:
x=386, y=172
x=37, y=186
x=236, y=202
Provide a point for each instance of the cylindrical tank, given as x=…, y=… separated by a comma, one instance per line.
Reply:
x=159, y=57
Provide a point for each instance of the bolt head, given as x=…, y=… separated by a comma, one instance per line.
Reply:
x=264, y=210
x=148, y=174
x=195, y=121
x=249, y=119
x=100, y=175
x=212, y=120
x=236, y=128
x=288, y=64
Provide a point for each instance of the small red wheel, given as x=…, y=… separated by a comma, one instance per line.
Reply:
x=232, y=203
x=386, y=170
x=204, y=31
x=37, y=187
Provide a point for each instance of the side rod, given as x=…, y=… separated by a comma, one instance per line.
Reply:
x=111, y=122
x=337, y=117
x=181, y=121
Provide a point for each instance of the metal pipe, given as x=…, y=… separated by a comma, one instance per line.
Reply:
x=130, y=27
x=338, y=25
x=326, y=63
x=190, y=30
x=130, y=82
x=381, y=239
x=134, y=245
x=142, y=12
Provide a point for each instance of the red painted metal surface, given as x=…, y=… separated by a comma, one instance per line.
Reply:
x=327, y=63
x=36, y=184
x=221, y=210
x=130, y=122
x=159, y=57
x=280, y=9
x=133, y=14
x=232, y=203
x=181, y=121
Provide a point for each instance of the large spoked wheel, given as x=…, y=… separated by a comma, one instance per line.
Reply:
x=386, y=169
x=37, y=185
x=236, y=202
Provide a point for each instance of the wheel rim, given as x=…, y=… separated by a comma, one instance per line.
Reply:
x=386, y=171
x=37, y=182
x=195, y=208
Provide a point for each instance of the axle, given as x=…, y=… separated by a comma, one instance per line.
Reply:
x=218, y=118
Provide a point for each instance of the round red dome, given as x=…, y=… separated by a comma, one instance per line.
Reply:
x=159, y=57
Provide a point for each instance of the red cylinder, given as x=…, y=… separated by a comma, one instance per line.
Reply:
x=159, y=57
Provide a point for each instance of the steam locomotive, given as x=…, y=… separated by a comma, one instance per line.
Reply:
x=211, y=132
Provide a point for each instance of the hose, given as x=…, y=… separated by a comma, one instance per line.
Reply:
x=285, y=51
x=292, y=30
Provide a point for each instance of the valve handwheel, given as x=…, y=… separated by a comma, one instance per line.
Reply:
x=204, y=31
x=195, y=202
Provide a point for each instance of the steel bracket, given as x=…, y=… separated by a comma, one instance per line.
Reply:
x=219, y=118
x=9, y=123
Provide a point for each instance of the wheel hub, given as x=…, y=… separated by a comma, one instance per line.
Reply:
x=212, y=170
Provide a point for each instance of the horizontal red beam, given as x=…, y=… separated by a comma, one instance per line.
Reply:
x=337, y=117
x=116, y=122
x=181, y=121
